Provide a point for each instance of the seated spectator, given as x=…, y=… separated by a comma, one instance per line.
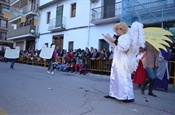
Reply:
x=83, y=68
x=78, y=64
x=101, y=55
x=73, y=62
x=64, y=67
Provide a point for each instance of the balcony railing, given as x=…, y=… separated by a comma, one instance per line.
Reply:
x=12, y=1
x=57, y=25
x=106, y=13
x=29, y=8
x=14, y=14
x=26, y=10
x=25, y=30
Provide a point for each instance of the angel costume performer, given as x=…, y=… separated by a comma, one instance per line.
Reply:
x=124, y=61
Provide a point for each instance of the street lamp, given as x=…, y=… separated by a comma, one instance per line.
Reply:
x=36, y=35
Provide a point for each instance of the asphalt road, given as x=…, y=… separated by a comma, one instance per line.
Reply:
x=30, y=90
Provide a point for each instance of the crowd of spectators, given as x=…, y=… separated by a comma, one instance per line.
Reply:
x=72, y=60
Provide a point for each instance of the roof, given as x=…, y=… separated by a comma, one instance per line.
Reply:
x=48, y=4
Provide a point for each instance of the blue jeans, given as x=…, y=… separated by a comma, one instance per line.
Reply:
x=50, y=68
x=151, y=72
x=12, y=63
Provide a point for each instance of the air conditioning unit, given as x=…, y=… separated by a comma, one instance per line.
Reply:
x=93, y=1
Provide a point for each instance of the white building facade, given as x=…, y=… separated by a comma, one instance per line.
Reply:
x=73, y=24
x=74, y=30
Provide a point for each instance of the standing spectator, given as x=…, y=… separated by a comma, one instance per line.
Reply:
x=83, y=67
x=151, y=64
x=78, y=64
x=12, y=63
x=50, y=67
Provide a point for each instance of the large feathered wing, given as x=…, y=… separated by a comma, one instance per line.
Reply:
x=157, y=37
x=137, y=38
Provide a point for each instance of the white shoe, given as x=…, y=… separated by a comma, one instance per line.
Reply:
x=52, y=73
x=48, y=72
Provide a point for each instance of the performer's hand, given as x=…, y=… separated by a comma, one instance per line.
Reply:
x=116, y=42
x=109, y=38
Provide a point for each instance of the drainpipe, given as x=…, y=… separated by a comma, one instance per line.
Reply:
x=162, y=15
x=89, y=25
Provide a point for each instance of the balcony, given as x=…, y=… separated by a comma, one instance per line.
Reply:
x=14, y=2
x=20, y=32
x=57, y=25
x=15, y=15
x=106, y=14
x=30, y=9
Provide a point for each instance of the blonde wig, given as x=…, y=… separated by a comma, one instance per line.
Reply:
x=122, y=26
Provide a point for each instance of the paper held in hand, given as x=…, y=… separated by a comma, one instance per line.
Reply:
x=12, y=53
x=107, y=39
x=47, y=52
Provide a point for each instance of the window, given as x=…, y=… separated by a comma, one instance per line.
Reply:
x=73, y=10
x=2, y=36
x=109, y=8
x=48, y=17
x=3, y=23
x=59, y=16
x=0, y=9
x=71, y=45
x=7, y=1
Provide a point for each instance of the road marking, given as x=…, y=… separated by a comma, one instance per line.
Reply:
x=3, y=112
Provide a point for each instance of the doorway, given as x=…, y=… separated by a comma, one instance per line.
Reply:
x=30, y=45
x=103, y=44
x=71, y=45
x=58, y=41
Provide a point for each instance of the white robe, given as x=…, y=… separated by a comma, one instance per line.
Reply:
x=121, y=86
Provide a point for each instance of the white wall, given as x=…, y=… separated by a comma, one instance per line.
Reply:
x=47, y=38
x=82, y=36
x=43, y=26
x=96, y=34
x=81, y=19
x=82, y=13
x=79, y=36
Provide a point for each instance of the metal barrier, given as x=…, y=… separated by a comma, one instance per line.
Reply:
x=171, y=69
x=32, y=61
x=94, y=65
x=99, y=65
